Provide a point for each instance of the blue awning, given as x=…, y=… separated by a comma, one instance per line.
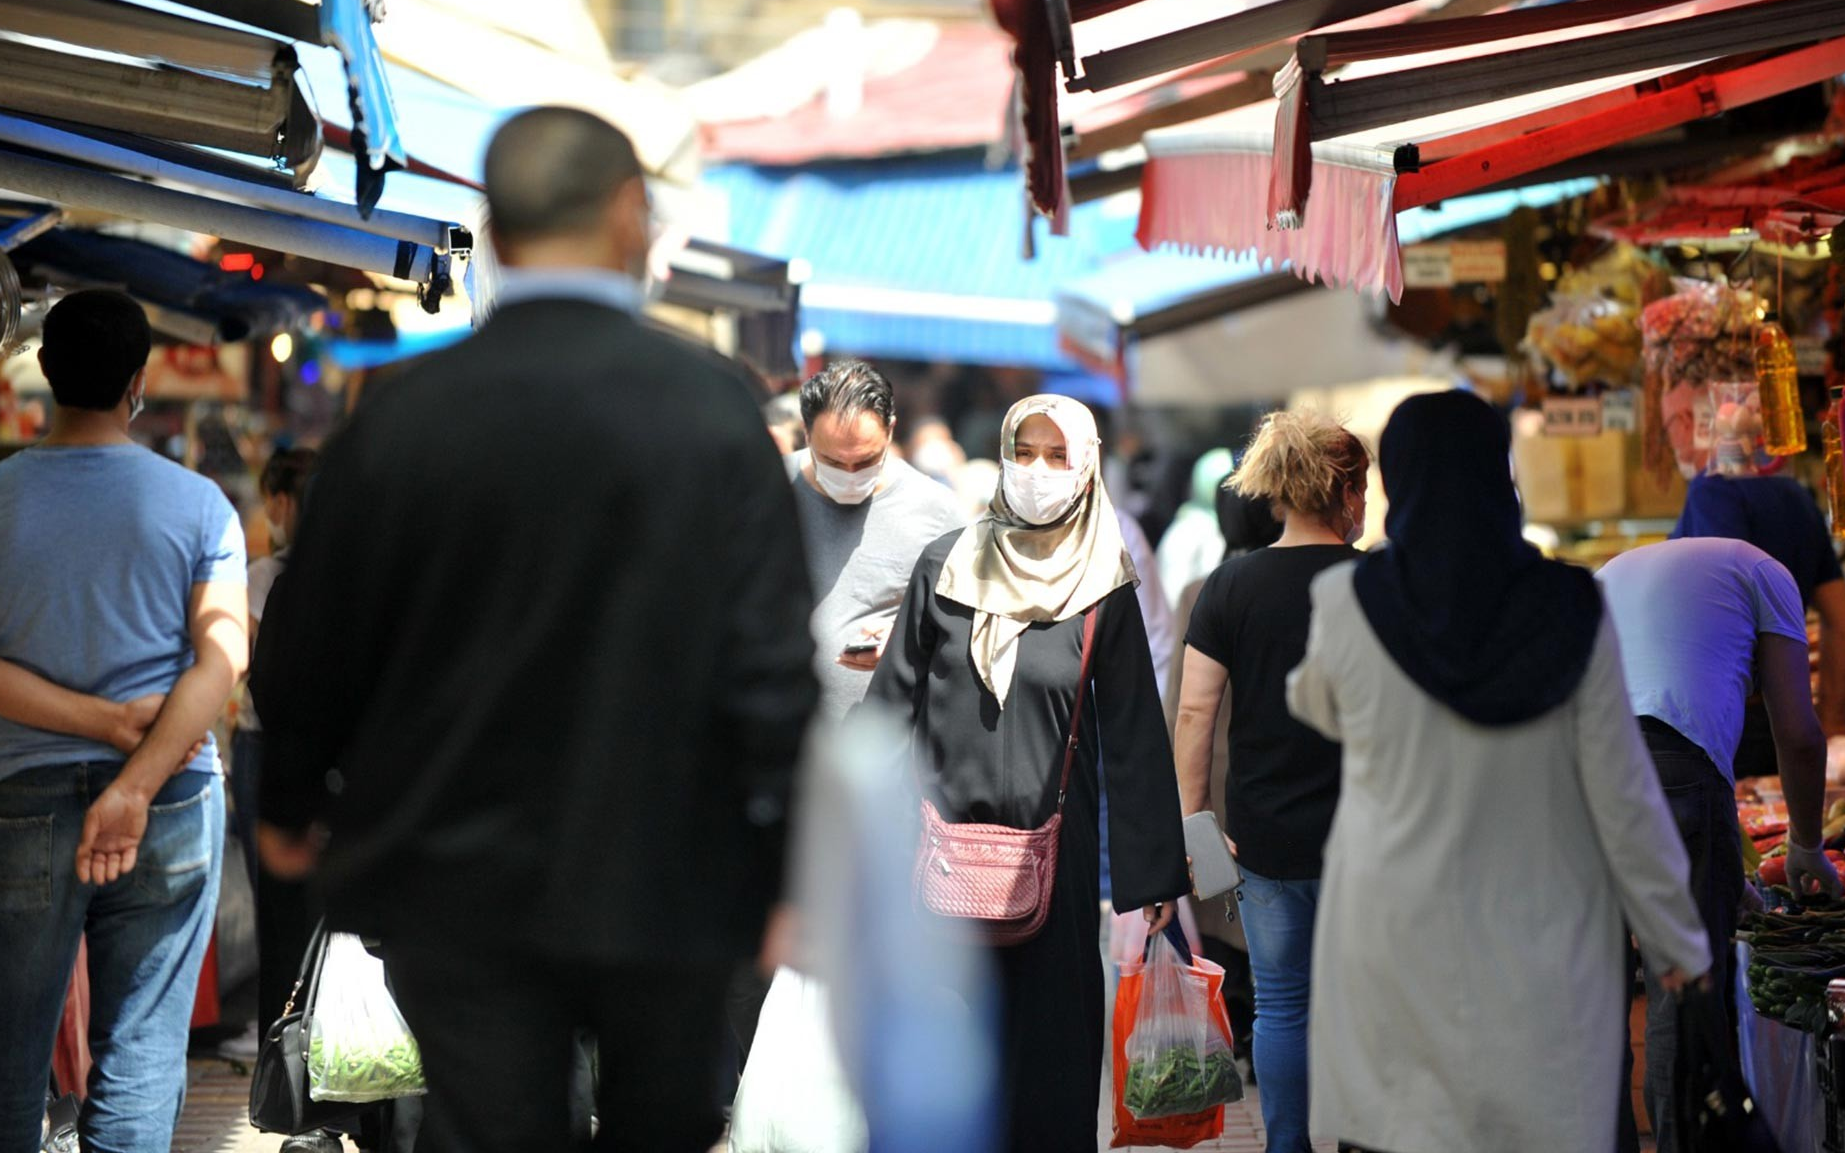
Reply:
x=922, y=259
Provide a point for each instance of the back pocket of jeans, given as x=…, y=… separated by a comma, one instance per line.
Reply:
x=176, y=851
x=25, y=864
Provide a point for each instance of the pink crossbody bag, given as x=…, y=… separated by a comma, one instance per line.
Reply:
x=993, y=879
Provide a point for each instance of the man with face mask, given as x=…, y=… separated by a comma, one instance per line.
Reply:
x=866, y=515
x=122, y=613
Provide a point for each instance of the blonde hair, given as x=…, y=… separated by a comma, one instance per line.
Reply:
x=1303, y=462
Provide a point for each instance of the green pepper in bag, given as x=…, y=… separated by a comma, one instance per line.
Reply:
x=359, y=1047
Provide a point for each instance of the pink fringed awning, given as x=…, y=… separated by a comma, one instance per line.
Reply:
x=1212, y=201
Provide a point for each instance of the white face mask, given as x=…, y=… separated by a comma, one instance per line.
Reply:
x=847, y=487
x=137, y=402
x=1039, y=495
x=278, y=535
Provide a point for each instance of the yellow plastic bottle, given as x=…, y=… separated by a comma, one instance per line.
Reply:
x=1835, y=462
x=1777, y=380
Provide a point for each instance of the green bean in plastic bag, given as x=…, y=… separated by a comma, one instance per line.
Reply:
x=359, y=1047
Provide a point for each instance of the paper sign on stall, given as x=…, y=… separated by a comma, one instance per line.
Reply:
x=1459, y=262
x=1572, y=416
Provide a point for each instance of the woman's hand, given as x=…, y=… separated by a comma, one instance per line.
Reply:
x=1159, y=915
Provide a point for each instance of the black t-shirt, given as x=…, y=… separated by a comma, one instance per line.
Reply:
x=1773, y=513
x=1284, y=777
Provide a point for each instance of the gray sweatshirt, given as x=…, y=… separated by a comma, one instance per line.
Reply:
x=860, y=558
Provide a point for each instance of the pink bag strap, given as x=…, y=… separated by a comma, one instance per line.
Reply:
x=1082, y=692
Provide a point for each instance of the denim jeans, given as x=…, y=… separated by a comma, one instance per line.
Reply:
x=147, y=932
x=1704, y=808
x=1278, y=921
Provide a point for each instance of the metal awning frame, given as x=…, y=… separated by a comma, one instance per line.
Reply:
x=1342, y=107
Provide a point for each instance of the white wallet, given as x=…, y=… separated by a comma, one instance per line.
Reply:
x=1214, y=870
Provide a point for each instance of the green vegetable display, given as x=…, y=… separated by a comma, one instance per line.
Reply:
x=364, y=1073
x=1794, y=953
x=1175, y=1082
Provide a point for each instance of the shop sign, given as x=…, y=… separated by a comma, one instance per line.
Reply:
x=1572, y=416
x=1459, y=262
x=1620, y=411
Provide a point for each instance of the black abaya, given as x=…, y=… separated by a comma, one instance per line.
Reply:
x=1002, y=766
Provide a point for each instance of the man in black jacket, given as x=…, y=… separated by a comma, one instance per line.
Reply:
x=543, y=672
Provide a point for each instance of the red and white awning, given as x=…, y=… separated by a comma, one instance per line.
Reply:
x=1235, y=185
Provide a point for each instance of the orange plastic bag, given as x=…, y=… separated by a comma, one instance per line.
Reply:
x=1181, y=1131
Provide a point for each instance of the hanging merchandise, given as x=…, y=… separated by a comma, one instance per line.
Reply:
x=1585, y=339
x=1589, y=335
x=1784, y=425
x=1700, y=335
x=1736, y=428
x=1835, y=458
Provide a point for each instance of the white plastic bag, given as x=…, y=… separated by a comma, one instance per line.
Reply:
x=793, y=1097
x=359, y=1048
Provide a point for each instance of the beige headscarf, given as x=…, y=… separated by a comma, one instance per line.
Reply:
x=1014, y=574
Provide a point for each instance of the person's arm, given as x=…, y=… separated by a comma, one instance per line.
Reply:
x=1146, y=839
x=1800, y=750
x=112, y=829
x=1201, y=696
x=1829, y=600
x=29, y=699
x=1644, y=853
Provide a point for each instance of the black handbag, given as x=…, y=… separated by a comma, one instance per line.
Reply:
x=279, y=1101
x=1714, y=1110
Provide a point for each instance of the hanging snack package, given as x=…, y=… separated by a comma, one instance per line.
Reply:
x=1703, y=334
x=1173, y=1069
x=359, y=1048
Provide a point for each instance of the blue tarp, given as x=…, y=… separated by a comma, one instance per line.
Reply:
x=945, y=235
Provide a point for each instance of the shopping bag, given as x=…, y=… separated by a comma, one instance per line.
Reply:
x=359, y=1048
x=1714, y=1111
x=1173, y=1069
x=793, y=1097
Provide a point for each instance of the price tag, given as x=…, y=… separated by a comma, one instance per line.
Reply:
x=1572, y=416
x=1620, y=411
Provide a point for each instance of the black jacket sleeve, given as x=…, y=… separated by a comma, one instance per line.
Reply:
x=767, y=690
x=323, y=623
x=1146, y=842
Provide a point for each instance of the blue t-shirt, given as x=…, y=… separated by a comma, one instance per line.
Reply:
x=1688, y=614
x=99, y=550
x=1773, y=513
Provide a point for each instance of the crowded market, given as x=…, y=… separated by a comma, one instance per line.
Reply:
x=1307, y=614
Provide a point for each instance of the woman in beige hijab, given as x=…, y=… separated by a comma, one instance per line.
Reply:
x=984, y=663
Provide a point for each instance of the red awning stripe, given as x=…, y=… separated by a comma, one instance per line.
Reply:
x=1706, y=96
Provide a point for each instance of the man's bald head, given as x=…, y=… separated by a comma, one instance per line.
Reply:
x=557, y=173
